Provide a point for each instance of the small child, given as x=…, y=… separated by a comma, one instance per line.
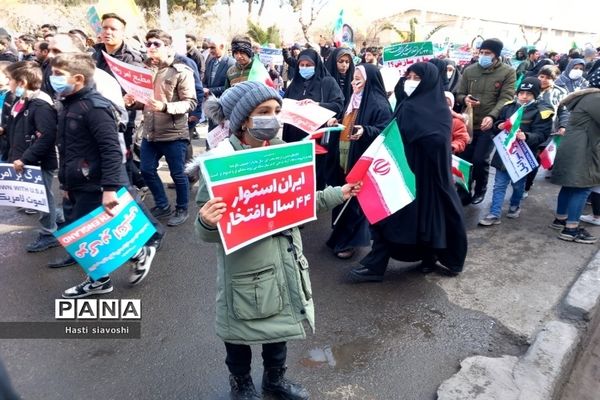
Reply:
x=535, y=128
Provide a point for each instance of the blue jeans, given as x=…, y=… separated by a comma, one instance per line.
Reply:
x=500, y=184
x=571, y=202
x=174, y=152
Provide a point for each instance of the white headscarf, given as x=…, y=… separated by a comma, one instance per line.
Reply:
x=356, y=98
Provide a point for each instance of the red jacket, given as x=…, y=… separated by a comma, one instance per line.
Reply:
x=460, y=136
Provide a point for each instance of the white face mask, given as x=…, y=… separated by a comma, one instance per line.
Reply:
x=410, y=86
x=449, y=74
x=575, y=74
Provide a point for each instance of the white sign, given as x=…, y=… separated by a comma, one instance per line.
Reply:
x=217, y=135
x=24, y=190
x=308, y=117
x=269, y=56
x=519, y=161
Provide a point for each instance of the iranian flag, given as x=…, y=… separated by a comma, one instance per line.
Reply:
x=511, y=126
x=461, y=171
x=388, y=182
x=258, y=73
x=547, y=156
x=338, y=30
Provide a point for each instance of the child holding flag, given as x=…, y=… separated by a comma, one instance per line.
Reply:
x=525, y=119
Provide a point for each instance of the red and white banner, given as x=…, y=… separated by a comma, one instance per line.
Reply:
x=134, y=80
x=308, y=117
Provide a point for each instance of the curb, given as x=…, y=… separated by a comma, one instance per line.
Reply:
x=540, y=372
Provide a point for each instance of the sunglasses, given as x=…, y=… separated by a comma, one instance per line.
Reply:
x=155, y=44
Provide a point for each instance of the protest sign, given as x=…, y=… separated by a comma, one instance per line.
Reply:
x=25, y=189
x=266, y=190
x=101, y=243
x=461, y=56
x=94, y=20
x=218, y=134
x=270, y=56
x=518, y=159
x=308, y=117
x=134, y=80
x=403, y=55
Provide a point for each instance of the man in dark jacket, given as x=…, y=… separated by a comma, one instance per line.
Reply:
x=195, y=54
x=216, y=72
x=24, y=45
x=91, y=168
x=486, y=87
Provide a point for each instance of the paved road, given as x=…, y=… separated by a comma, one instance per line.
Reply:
x=393, y=340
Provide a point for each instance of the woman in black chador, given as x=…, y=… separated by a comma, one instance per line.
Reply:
x=431, y=228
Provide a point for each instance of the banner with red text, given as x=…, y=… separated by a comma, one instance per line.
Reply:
x=134, y=80
x=267, y=190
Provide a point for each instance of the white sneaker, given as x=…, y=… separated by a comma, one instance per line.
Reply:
x=142, y=264
x=89, y=288
x=590, y=219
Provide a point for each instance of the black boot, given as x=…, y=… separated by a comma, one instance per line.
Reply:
x=242, y=388
x=275, y=383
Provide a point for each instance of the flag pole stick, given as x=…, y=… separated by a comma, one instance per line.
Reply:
x=342, y=211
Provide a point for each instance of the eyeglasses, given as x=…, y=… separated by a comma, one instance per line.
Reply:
x=155, y=44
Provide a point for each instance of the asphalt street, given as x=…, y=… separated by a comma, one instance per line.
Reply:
x=399, y=339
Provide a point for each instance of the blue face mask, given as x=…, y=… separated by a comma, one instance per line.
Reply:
x=486, y=61
x=307, y=72
x=60, y=85
x=19, y=91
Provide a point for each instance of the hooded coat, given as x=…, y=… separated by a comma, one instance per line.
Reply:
x=433, y=224
x=344, y=81
x=571, y=85
x=321, y=88
x=577, y=162
x=263, y=290
x=374, y=114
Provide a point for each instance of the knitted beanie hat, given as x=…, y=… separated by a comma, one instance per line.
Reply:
x=238, y=102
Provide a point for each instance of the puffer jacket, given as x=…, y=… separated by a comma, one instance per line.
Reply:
x=493, y=86
x=263, y=290
x=577, y=162
x=174, y=86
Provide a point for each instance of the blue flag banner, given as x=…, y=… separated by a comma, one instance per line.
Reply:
x=101, y=243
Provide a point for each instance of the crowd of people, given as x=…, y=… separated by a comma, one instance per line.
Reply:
x=64, y=111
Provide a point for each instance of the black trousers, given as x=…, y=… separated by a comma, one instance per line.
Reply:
x=239, y=357
x=479, y=153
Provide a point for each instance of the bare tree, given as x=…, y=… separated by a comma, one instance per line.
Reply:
x=525, y=36
x=302, y=7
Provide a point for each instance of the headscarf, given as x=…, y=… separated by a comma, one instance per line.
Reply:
x=569, y=84
x=356, y=98
x=343, y=81
x=301, y=88
x=594, y=78
x=535, y=71
x=441, y=66
x=453, y=82
x=425, y=112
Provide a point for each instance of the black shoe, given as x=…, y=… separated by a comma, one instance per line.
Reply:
x=427, y=266
x=364, y=274
x=159, y=212
x=89, y=288
x=478, y=198
x=274, y=382
x=43, y=242
x=242, y=388
x=452, y=272
x=578, y=235
x=178, y=218
x=156, y=241
x=558, y=224
x=63, y=262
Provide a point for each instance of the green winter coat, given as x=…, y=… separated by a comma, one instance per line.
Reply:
x=493, y=86
x=263, y=290
x=577, y=162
